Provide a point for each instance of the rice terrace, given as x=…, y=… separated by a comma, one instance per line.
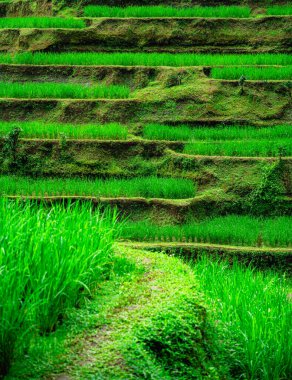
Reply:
x=145, y=189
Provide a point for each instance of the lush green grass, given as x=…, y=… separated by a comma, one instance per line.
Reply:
x=252, y=73
x=33, y=90
x=137, y=187
x=217, y=133
x=247, y=148
x=145, y=59
x=50, y=261
x=232, y=230
x=41, y=22
x=166, y=11
x=39, y=129
x=279, y=10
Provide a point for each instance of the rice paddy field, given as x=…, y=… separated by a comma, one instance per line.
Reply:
x=145, y=190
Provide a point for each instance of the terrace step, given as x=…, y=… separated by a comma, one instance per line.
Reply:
x=198, y=35
x=263, y=257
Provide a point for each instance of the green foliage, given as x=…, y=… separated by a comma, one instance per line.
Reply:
x=136, y=187
x=279, y=10
x=217, y=133
x=164, y=11
x=41, y=22
x=41, y=130
x=33, y=90
x=252, y=73
x=230, y=230
x=252, y=313
x=50, y=261
x=147, y=59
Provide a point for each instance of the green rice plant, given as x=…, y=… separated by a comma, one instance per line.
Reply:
x=279, y=10
x=248, y=148
x=149, y=187
x=166, y=11
x=41, y=22
x=145, y=59
x=252, y=314
x=228, y=230
x=50, y=261
x=33, y=90
x=39, y=129
x=216, y=133
x=252, y=73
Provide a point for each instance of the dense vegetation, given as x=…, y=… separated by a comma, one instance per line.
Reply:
x=41, y=22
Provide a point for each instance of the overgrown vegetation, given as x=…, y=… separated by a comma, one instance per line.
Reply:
x=49, y=263
x=228, y=230
x=154, y=187
x=61, y=90
x=165, y=11
x=145, y=59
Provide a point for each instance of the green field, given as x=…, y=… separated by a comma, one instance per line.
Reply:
x=41, y=22
x=164, y=11
x=41, y=130
x=33, y=90
x=144, y=59
x=252, y=73
x=229, y=230
x=278, y=10
x=137, y=187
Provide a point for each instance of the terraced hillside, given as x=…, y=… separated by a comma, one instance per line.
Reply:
x=177, y=115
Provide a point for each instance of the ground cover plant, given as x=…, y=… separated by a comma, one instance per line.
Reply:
x=228, y=230
x=33, y=90
x=149, y=187
x=39, y=129
x=279, y=10
x=41, y=22
x=252, y=73
x=166, y=11
x=145, y=59
x=217, y=133
x=253, y=311
x=246, y=148
x=50, y=261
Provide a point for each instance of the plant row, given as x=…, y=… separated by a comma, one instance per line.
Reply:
x=148, y=187
x=230, y=230
x=50, y=261
x=144, y=59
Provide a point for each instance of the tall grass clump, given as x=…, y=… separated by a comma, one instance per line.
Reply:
x=51, y=259
x=279, y=10
x=216, y=133
x=252, y=312
x=39, y=129
x=33, y=90
x=227, y=230
x=252, y=73
x=145, y=59
x=166, y=11
x=148, y=187
x=41, y=22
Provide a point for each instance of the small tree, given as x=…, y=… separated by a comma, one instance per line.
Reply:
x=11, y=145
x=241, y=83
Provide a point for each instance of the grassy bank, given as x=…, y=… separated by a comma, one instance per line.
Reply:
x=252, y=73
x=41, y=22
x=145, y=59
x=33, y=90
x=228, y=230
x=149, y=187
x=49, y=263
x=166, y=11
x=39, y=129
